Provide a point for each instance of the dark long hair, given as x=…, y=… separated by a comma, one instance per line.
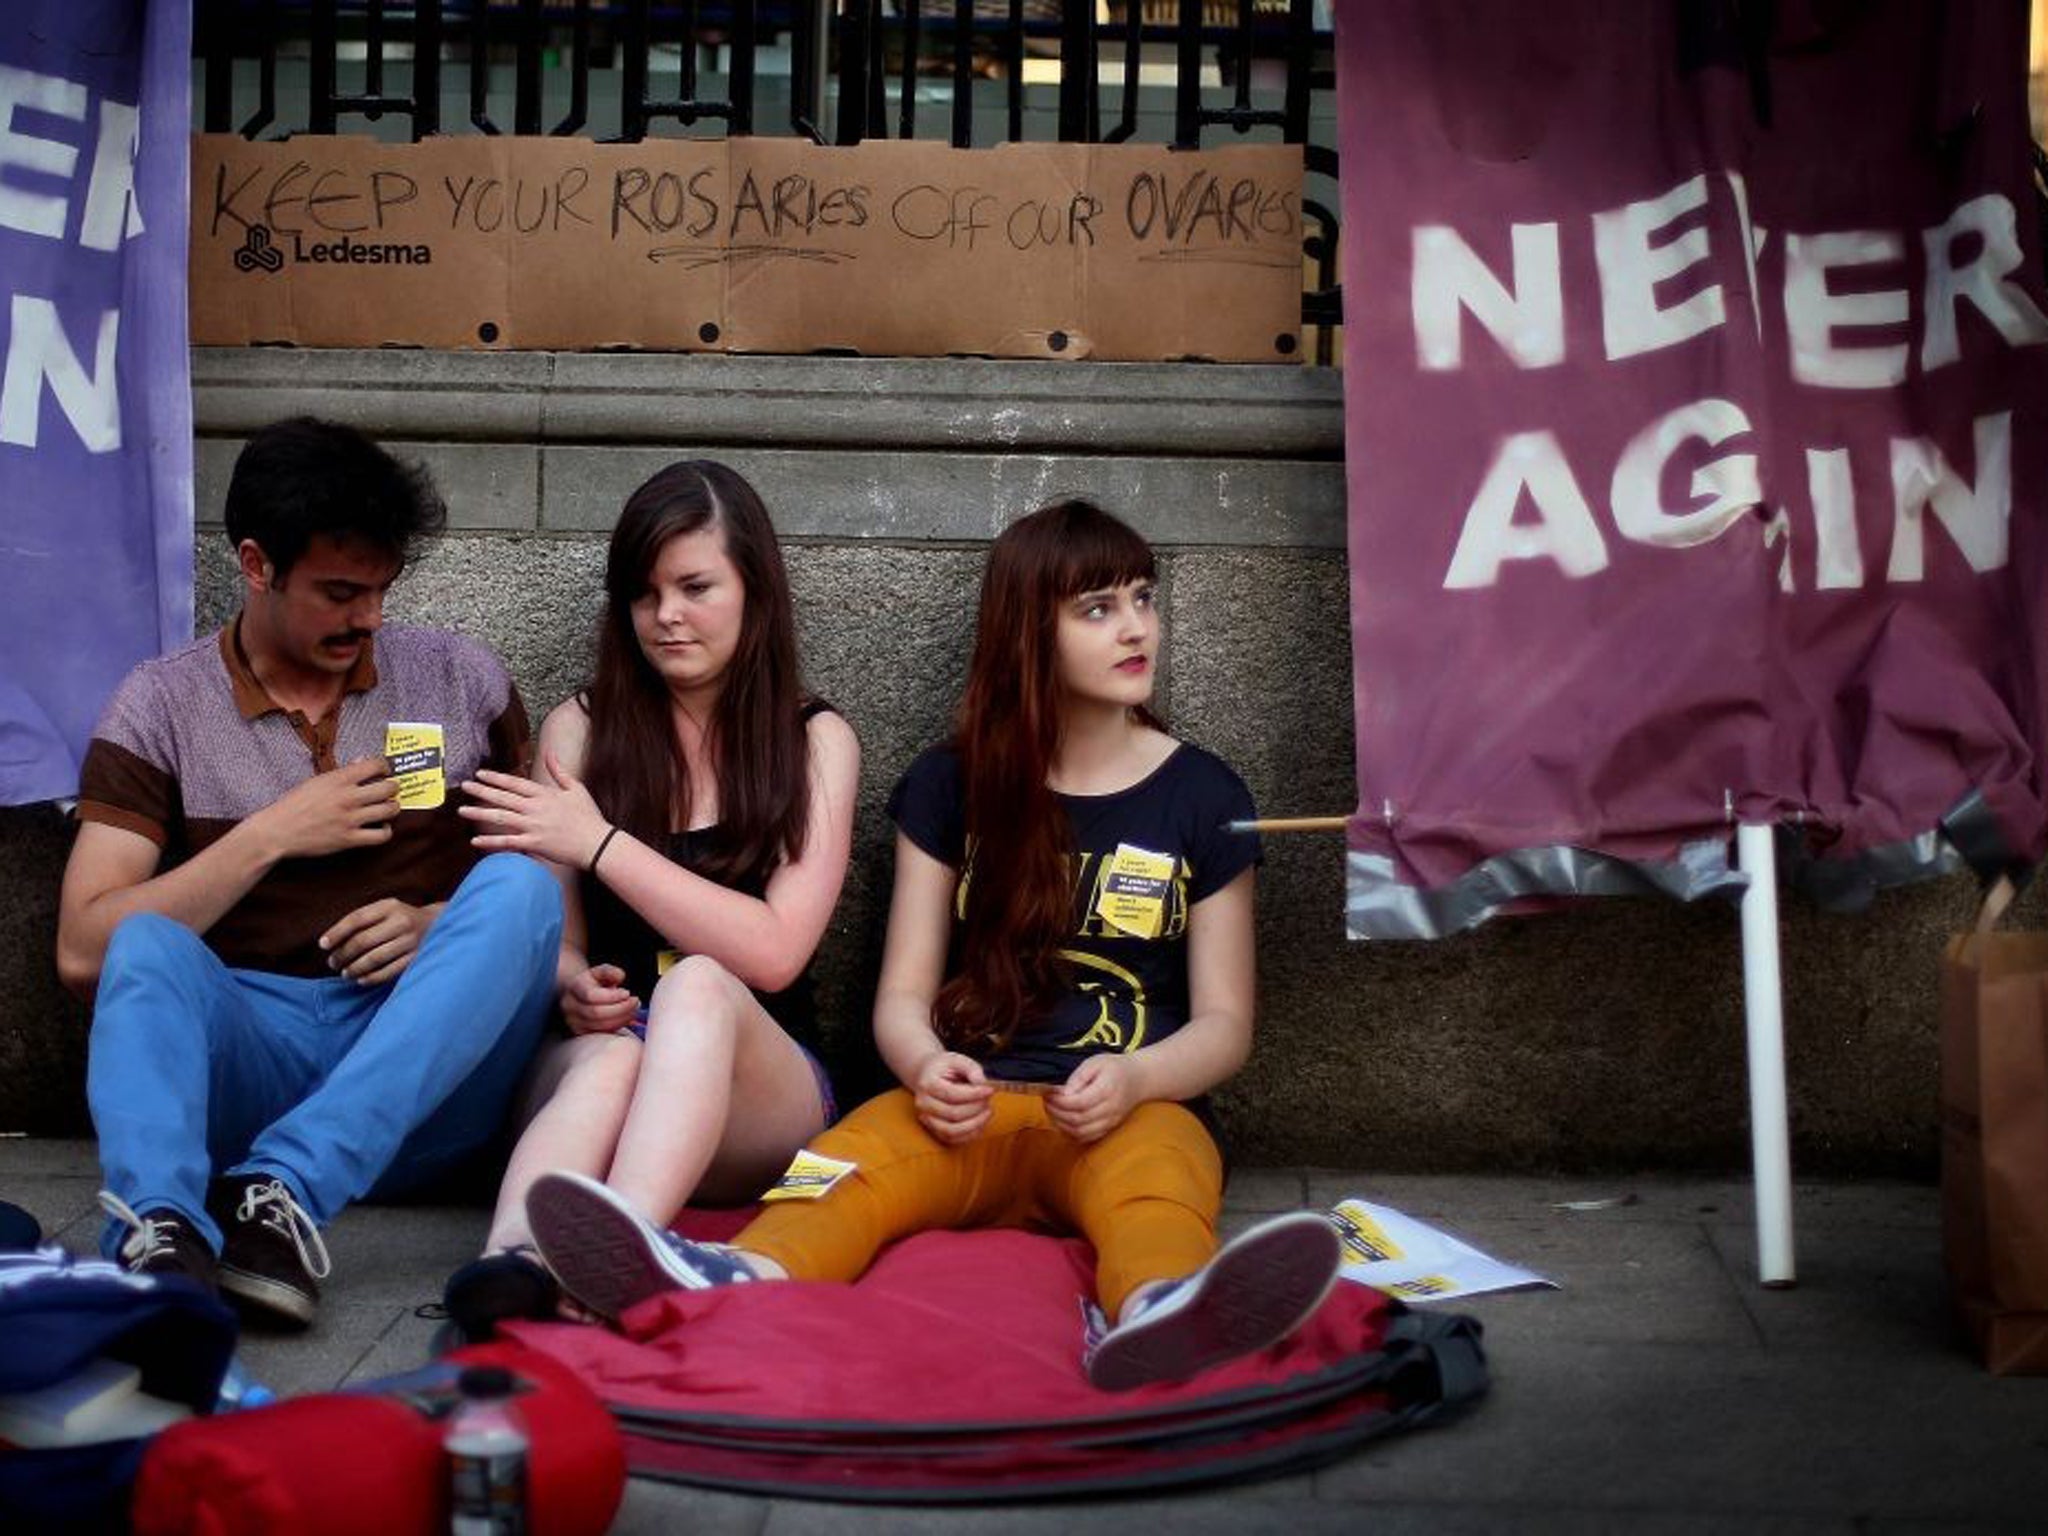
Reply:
x=635, y=768
x=1018, y=904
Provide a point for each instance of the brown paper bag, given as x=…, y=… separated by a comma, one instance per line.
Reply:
x=1994, y=1139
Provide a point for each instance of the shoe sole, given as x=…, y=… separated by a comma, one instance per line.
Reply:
x=598, y=1246
x=271, y=1300
x=1260, y=1287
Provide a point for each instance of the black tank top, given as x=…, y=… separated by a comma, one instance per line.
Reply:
x=620, y=936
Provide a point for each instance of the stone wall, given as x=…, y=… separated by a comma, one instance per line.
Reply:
x=1608, y=1036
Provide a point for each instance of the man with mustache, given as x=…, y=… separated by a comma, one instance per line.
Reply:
x=306, y=986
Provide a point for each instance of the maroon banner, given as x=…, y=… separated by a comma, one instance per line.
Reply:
x=1695, y=386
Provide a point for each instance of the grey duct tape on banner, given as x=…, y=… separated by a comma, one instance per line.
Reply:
x=1379, y=906
x=1850, y=885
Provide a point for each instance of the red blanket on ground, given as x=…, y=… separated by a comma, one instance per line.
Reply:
x=952, y=1370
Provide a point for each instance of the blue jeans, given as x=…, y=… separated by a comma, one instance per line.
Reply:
x=340, y=1090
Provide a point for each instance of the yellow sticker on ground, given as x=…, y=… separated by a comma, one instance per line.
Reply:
x=1365, y=1240
x=414, y=749
x=809, y=1176
x=1425, y=1285
x=1134, y=889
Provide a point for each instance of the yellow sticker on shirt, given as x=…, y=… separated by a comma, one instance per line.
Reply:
x=1132, y=895
x=809, y=1176
x=414, y=750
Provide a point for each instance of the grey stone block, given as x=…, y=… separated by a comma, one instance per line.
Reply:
x=1255, y=1192
x=1250, y=1509
x=1627, y=1427
x=404, y=1343
x=42, y=1027
x=399, y=1254
x=330, y=1352
x=486, y=486
x=29, y=1157
x=653, y=1508
x=960, y=403
x=1598, y=1201
x=391, y=392
x=65, y=1203
x=893, y=497
x=1645, y=1283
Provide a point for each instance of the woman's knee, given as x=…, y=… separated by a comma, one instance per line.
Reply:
x=599, y=1066
x=1161, y=1146
x=699, y=992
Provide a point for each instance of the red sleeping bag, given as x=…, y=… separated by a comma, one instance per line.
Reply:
x=952, y=1371
x=370, y=1460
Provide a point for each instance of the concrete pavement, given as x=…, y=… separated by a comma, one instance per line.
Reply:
x=1661, y=1390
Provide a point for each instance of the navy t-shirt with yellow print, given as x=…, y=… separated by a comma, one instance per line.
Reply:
x=1146, y=854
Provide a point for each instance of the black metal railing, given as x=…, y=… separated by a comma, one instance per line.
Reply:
x=843, y=59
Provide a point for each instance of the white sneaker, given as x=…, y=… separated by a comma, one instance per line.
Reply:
x=1261, y=1285
x=608, y=1256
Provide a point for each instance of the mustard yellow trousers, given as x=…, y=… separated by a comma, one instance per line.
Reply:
x=1146, y=1195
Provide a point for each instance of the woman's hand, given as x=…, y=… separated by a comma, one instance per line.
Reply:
x=595, y=1002
x=558, y=822
x=952, y=1097
x=1096, y=1098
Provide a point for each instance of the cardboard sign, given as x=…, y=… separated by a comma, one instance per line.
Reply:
x=1131, y=252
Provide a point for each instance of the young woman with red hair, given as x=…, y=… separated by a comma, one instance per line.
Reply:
x=1068, y=970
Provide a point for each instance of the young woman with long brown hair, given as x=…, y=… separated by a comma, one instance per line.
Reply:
x=1068, y=967
x=698, y=807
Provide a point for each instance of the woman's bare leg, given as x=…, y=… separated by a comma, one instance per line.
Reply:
x=583, y=1088
x=724, y=1096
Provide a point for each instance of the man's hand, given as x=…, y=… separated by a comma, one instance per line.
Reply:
x=596, y=1002
x=1096, y=1097
x=375, y=943
x=952, y=1097
x=347, y=807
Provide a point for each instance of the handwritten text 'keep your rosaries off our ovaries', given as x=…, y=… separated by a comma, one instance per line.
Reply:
x=304, y=203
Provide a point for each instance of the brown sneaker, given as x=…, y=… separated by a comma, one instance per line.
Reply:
x=160, y=1242
x=271, y=1257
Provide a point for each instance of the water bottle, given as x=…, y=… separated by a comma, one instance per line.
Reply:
x=486, y=1443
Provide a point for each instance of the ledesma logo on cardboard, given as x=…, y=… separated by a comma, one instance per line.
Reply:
x=260, y=252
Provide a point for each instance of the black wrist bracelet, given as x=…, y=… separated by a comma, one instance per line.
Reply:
x=602, y=844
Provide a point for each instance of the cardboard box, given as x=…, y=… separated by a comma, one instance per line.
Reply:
x=1994, y=1141
x=1129, y=252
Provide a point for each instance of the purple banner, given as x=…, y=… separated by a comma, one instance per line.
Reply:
x=95, y=397
x=1695, y=392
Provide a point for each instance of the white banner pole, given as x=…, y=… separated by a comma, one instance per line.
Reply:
x=1770, y=1139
